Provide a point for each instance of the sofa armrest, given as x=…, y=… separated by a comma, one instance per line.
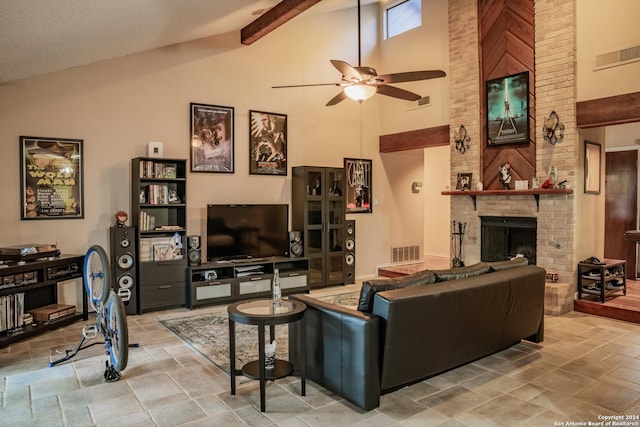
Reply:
x=343, y=350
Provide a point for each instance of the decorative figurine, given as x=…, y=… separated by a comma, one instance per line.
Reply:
x=121, y=219
x=552, y=180
x=505, y=175
x=173, y=196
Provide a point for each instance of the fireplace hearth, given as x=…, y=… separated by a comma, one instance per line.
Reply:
x=502, y=238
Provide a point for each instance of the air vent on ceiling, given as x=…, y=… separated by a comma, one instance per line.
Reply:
x=617, y=58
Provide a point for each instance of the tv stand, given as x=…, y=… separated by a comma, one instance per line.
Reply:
x=218, y=282
x=234, y=258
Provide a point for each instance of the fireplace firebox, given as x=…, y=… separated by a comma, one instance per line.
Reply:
x=502, y=238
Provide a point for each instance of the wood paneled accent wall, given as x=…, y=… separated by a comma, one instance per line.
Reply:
x=506, y=33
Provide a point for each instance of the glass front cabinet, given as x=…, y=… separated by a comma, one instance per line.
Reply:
x=318, y=212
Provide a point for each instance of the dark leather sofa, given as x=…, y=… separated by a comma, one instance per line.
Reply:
x=418, y=331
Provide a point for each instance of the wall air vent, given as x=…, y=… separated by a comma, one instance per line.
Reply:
x=405, y=253
x=617, y=58
x=422, y=102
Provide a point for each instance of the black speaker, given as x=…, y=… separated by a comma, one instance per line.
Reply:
x=123, y=266
x=350, y=252
x=193, y=253
x=295, y=244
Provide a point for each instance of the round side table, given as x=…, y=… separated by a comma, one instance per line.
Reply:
x=263, y=312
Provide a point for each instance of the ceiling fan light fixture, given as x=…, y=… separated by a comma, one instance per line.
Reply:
x=360, y=92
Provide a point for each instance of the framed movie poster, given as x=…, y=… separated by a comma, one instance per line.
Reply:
x=508, y=109
x=51, y=178
x=359, y=195
x=267, y=143
x=212, y=145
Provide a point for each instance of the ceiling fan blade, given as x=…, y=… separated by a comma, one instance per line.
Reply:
x=397, y=93
x=411, y=76
x=347, y=70
x=341, y=96
x=307, y=85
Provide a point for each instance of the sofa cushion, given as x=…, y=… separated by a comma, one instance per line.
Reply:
x=506, y=265
x=370, y=287
x=461, y=272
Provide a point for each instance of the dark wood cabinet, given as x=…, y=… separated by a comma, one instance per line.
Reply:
x=159, y=214
x=318, y=212
x=32, y=285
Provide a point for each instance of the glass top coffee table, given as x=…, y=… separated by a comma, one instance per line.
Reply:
x=263, y=312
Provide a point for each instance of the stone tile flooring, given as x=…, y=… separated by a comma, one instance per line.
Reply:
x=587, y=368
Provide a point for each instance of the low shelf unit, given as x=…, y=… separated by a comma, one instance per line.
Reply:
x=227, y=281
x=602, y=280
x=32, y=285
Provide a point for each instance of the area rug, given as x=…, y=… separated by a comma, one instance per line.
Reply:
x=209, y=334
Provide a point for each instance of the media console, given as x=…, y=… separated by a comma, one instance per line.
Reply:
x=227, y=281
x=26, y=287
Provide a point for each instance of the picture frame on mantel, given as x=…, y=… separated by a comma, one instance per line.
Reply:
x=592, y=167
x=507, y=109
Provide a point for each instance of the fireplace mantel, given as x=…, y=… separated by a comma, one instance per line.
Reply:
x=533, y=192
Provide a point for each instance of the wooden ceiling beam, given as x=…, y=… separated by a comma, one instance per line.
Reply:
x=274, y=18
x=608, y=111
x=415, y=139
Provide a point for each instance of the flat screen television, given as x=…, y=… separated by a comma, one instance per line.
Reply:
x=247, y=231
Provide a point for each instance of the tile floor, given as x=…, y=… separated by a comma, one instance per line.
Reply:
x=587, y=368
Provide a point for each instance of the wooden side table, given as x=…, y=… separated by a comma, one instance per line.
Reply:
x=263, y=312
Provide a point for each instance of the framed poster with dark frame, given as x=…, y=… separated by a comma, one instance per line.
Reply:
x=267, y=143
x=592, y=159
x=51, y=178
x=359, y=178
x=212, y=139
x=507, y=109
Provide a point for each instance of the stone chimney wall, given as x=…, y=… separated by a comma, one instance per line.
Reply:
x=555, y=89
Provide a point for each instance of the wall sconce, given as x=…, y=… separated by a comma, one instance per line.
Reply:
x=462, y=139
x=552, y=129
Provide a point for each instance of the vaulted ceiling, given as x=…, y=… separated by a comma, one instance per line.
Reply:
x=42, y=36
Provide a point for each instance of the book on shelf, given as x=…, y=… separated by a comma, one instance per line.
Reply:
x=146, y=249
x=169, y=171
x=11, y=311
x=52, y=312
x=162, y=252
x=169, y=227
x=155, y=169
x=146, y=222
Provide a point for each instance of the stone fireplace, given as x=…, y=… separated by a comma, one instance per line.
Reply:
x=503, y=238
x=553, y=89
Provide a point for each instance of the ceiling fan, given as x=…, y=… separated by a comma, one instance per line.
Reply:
x=360, y=83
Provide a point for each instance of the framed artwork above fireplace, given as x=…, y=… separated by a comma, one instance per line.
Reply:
x=507, y=109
